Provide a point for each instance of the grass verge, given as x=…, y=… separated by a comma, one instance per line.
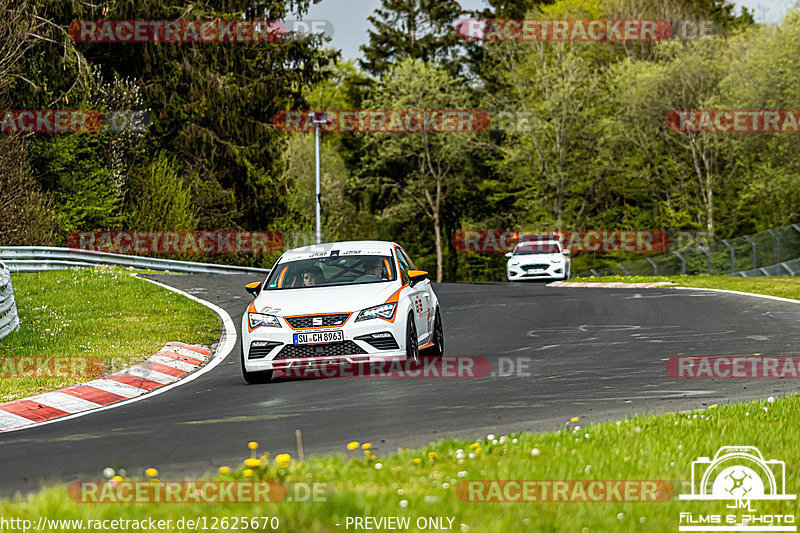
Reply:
x=424, y=483
x=99, y=315
x=787, y=287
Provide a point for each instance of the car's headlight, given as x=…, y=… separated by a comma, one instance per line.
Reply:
x=379, y=311
x=257, y=320
x=554, y=261
x=513, y=262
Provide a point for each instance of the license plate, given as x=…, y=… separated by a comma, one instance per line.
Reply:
x=319, y=337
x=533, y=271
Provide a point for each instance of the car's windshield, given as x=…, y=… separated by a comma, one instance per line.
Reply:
x=329, y=271
x=537, y=248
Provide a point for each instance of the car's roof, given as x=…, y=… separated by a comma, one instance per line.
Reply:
x=353, y=247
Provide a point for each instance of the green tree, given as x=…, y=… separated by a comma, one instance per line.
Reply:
x=432, y=166
x=212, y=106
x=416, y=29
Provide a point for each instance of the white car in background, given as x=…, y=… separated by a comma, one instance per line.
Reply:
x=339, y=303
x=538, y=259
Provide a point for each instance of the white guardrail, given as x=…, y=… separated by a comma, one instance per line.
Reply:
x=41, y=258
x=9, y=321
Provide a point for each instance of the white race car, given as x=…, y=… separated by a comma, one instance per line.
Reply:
x=539, y=259
x=339, y=303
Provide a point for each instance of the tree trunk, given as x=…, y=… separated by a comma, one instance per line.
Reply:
x=439, y=256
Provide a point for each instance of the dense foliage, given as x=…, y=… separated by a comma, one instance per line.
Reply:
x=591, y=147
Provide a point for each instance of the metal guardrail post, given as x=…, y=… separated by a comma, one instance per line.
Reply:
x=797, y=227
x=789, y=270
x=9, y=320
x=683, y=263
x=623, y=269
x=733, y=255
x=655, y=266
x=777, y=245
x=753, y=246
x=708, y=259
x=594, y=273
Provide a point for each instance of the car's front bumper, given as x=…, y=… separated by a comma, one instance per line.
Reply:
x=540, y=271
x=274, y=349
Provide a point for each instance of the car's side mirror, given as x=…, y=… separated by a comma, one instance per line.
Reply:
x=417, y=275
x=509, y=254
x=253, y=288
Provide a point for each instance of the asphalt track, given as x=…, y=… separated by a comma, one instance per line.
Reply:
x=594, y=353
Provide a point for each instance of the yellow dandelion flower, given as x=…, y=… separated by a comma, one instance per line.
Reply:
x=352, y=445
x=118, y=479
x=252, y=445
x=252, y=463
x=573, y=419
x=151, y=472
x=433, y=455
x=224, y=470
x=247, y=473
x=283, y=458
x=416, y=460
x=712, y=406
x=366, y=445
x=473, y=445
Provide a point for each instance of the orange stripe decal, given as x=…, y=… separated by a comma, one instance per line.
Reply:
x=394, y=298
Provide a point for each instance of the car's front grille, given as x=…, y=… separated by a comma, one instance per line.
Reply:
x=261, y=349
x=380, y=343
x=291, y=351
x=323, y=321
x=537, y=266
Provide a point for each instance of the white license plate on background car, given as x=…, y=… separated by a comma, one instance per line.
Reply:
x=319, y=337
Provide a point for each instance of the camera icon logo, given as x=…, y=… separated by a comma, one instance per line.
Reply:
x=738, y=473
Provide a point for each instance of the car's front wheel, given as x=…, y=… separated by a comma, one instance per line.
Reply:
x=437, y=348
x=412, y=342
x=254, y=378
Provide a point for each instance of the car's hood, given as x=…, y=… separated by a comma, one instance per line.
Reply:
x=313, y=300
x=536, y=258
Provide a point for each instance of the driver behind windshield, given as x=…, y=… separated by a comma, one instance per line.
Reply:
x=313, y=276
x=373, y=267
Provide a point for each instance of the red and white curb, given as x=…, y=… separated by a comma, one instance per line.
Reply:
x=160, y=373
x=610, y=285
x=170, y=364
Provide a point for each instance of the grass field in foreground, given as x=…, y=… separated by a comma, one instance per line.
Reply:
x=786, y=287
x=98, y=313
x=424, y=482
